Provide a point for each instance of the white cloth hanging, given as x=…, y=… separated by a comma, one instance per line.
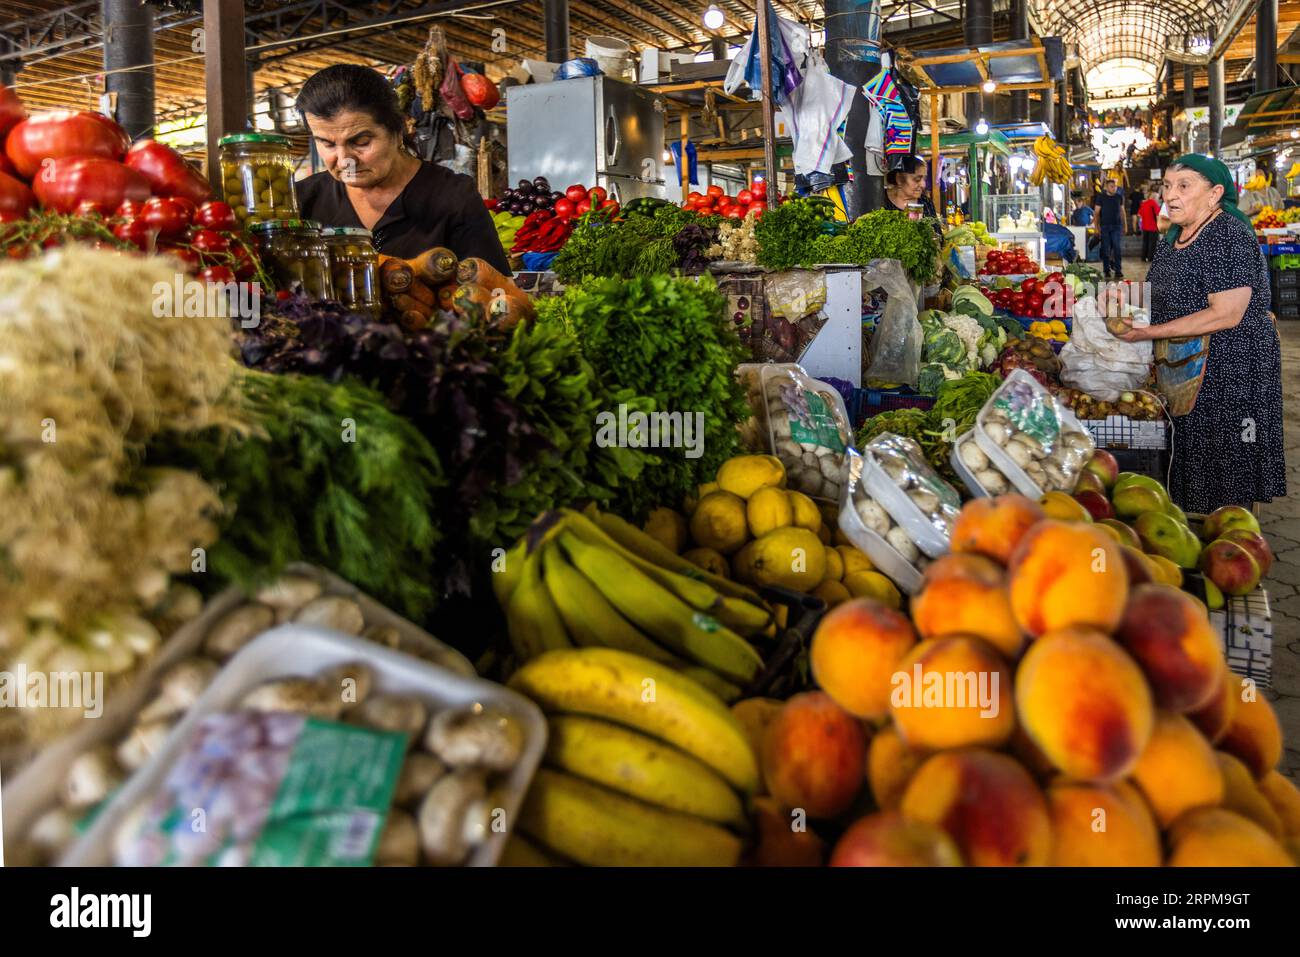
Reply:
x=821, y=103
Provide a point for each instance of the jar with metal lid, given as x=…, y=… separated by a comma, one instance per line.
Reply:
x=354, y=268
x=257, y=177
x=296, y=255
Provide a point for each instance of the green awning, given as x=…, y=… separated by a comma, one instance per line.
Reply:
x=993, y=139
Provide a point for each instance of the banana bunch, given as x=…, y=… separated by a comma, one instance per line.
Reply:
x=1050, y=162
x=507, y=225
x=643, y=766
x=593, y=580
x=1257, y=182
x=1294, y=171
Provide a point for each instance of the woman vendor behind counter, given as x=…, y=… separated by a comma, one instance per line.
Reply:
x=905, y=183
x=371, y=179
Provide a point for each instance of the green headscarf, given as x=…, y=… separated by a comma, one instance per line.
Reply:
x=1218, y=175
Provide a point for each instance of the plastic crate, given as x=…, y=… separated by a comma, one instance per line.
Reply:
x=1121, y=432
x=1285, y=295
x=1286, y=277
x=864, y=403
x=1152, y=462
x=1289, y=310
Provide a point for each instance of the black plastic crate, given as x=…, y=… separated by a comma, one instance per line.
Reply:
x=1153, y=462
x=1286, y=277
x=1286, y=295
x=1287, y=310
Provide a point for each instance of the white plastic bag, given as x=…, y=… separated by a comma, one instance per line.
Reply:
x=820, y=104
x=896, y=343
x=1096, y=362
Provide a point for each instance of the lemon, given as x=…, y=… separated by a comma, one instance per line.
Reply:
x=746, y=474
x=855, y=560
x=1057, y=325
x=768, y=509
x=806, y=513
x=719, y=522
x=834, y=564
x=740, y=567
x=873, y=585
x=668, y=528
x=792, y=557
x=710, y=560
x=831, y=592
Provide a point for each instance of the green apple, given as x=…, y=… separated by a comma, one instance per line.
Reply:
x=1213, y=596
x=1126, y=533
x=1162, y=535
x=1225, y=519
x=1177, y=513
x=1192, y=550
x=1130, y=479
x=1137, y=498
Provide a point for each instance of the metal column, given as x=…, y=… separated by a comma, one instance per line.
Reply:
x=1266, y=46
x=555, y=26
x=771, y=171
x=223, y=48
x=979, y=30
x=1189, y=86
x=1019, y=31
x=1047, y=106
x=1215, y=69
x=1062, y=128
x=854, y=57
x=128, y=42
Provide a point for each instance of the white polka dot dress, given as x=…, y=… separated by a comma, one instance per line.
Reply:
x=1228, y=450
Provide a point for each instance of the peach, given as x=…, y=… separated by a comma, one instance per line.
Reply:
x=1284, y=798
x=952, y=693
x=754, y=715
x=1167, y=631
x=1127, y=790
x=1177, y=772
x=1140, y=570
x=988, y=804
x=966, y=594
x=778, y=842
x=890, y=765
x=1213, y=837
x=1095, y=826
x=887, y=839
x=1215, y=716
x=855, y=652
x=993, y=526
x=1029, y=754
x=814, y=756
x=1084, y=703
x=1241, y=796
x=1254, y=735
x=1067, y=573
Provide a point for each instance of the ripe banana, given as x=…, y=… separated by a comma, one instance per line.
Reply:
x=646, y=696
x=589, y=619
x=512, y=570
x=715, y=685
x=531, y=617
x=599, y=827
x=522, y=852
x=662, y=615
x=640, y=767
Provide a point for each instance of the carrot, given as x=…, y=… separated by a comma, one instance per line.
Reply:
x=447, y=295
x=395, y=275
x=482, y=272
x=504, y=311
x=435, y=265
x=406, y=304
x=413, y=321
x=421, y=292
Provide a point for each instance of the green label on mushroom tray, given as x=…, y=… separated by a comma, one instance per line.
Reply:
x=815, y=423
x=271, y=789
x=1028, y=415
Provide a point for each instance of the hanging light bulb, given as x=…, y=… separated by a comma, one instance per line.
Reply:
x=982, y=126
x=1295, y=134
x=713, y=17
x=989, y=86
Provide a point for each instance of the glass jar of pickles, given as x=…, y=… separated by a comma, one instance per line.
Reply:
x=296, y=255
x=354, y=268
x=257, y=177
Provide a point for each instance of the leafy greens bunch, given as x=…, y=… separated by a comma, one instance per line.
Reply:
x=641, y=244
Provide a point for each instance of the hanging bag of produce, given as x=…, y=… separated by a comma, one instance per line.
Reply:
x=1180, y=367
x=479, y=90
x=1096, y=362
x=451, y=91
x=895, y=349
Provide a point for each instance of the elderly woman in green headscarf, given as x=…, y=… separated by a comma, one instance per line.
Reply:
x=1209, y=279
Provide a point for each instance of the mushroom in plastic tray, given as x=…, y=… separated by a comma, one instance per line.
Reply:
x=924, y=505
x=438, y=768
x=871, y=529
x=808, y=430
x=974, y=468
x=1038, y=445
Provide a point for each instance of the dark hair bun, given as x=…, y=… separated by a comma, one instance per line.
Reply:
x=350, y=87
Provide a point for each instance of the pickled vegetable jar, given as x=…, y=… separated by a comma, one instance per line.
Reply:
x=354, y=268
x=257, y=177
x=296, y=255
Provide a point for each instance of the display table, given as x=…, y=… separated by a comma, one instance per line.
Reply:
x=1246, y=636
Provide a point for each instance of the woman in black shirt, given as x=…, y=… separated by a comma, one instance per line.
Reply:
x=905, y=183
x=372, y=180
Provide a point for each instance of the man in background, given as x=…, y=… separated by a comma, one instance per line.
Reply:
x=1148, y=220
x=1108, y=214
x=1134, y=204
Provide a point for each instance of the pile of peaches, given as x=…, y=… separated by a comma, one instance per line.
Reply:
x=1037, y=707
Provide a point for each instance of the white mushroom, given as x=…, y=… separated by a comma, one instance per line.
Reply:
x=1019, y=453
x=390, y=712
x=830, y=466
x=54, y=830
x=387, y=635
x=925, y=500
x=973, y=457
x=297, y=695
x=992, y=481
x=178, y=689
x=90, y=778
x=788, y=450
x=332, y=611
x=420, y=771
x=873, y=516
x=289, y=592
x=997, y=432
x=399, y=844
x=143, y=741
x=353, y=679
x=902, y=544
x=475, y=736
x=453, y=817
x=237, y=628
x=182, y=603
x=810, y=462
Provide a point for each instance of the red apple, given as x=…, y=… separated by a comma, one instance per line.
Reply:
x=1089, y=482
x=1230, y=566
x=1097, y=504
x=1225, y=519
x=1104, y=466
x=1253, y=542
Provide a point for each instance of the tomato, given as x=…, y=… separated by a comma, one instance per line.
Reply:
x=135, y=232
x=88, y=208
x=167, y=172
x=63, y=133
x=1017, y=303
x=67, y=182
x=1034, y=303
x=760, y=205
x=584, y=206
x=1056, y=277
x=611, y=205
x=716, y=191
x=168, y=215
x=598, y=195
x=12, y=111
x=745, y=197
x=216, y=274
x=564, y=209
x=1029, y=285
x=575, y=194
x=15, y=198
x=695, y=198
x=759, y=189
x=128, y=209
x=187, y=256
x=210, y=241
x=215, y=214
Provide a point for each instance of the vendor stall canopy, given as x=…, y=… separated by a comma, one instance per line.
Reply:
x=1122, y=43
